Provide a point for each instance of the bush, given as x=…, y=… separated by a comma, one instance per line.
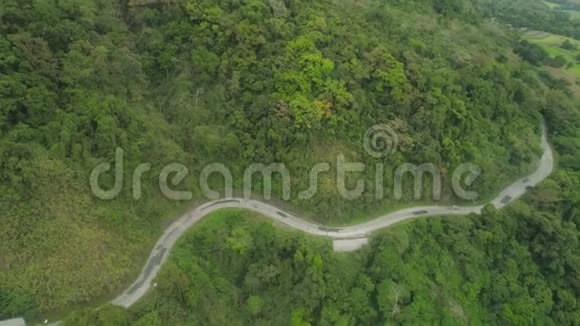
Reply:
x=568, y=45
x=532, y=53
x=557, y=62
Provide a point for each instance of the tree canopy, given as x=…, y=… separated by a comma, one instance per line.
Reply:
x=255, y=81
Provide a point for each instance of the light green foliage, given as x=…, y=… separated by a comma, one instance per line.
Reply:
x=306, y=85
x=255, y=304
x=388, y=74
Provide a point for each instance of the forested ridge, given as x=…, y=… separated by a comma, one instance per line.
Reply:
x=238, y=82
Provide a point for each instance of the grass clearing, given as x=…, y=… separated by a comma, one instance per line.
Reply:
x=548, y=38
x=552, y=43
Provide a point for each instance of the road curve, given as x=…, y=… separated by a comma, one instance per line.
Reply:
x=164, y=245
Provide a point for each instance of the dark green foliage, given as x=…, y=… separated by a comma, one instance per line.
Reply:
x=557, y=62
x=531, y=52
x=448, y=7
x=568, y=45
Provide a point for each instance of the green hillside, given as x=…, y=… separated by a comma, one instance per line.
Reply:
x=499, y=268
x=242, y=82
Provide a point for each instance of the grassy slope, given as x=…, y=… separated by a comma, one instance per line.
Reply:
x=552, y=43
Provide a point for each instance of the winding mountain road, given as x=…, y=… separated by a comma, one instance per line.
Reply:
x=356, y=234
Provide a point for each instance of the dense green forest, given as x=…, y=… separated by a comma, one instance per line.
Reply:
x=514, y=267
x=298, y=82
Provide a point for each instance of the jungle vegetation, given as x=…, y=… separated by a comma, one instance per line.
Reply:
x=291, y=81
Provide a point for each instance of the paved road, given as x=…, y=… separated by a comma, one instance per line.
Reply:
x=357, y=234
